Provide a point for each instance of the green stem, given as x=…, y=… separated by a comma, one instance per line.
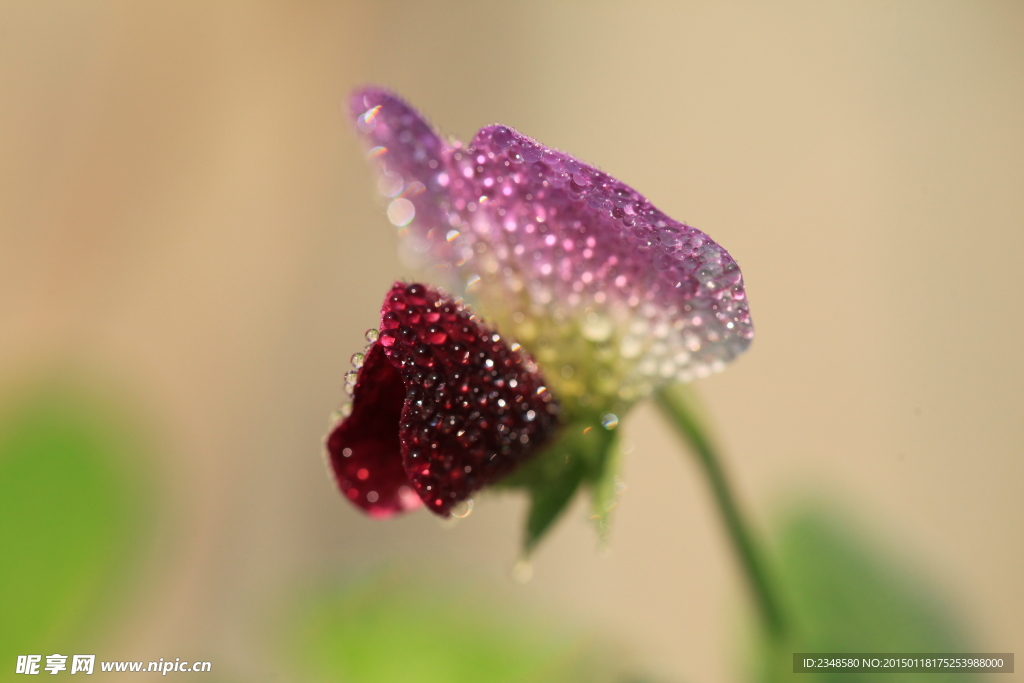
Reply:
x=674, y=402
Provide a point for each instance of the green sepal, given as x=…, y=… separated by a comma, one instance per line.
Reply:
x=605, y=486
x=582, y=454
x=550, y=499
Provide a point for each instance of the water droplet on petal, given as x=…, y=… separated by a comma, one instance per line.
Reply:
x=401, y=212
x=340, y=414
x=463, y=509
x=390, y=184
x=436, y=335
x=357, y=360
x=350, y=382
x=372, y=335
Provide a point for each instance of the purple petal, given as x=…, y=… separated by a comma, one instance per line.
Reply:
x=580, y=267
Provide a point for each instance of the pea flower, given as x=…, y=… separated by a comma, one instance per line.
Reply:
x=590, y=292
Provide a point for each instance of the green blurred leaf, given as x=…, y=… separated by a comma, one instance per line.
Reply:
x=69, y=518
x=392, y=631
x=846, y=596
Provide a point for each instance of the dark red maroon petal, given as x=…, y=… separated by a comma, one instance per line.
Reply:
x=442, y=406
x=364, y=448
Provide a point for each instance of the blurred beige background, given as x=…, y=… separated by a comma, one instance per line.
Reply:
x=185, y=216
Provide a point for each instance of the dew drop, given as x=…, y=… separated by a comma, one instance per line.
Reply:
x=343, y=411
x=522, y=571
x=423, y=357
x=357, y=360
x=372, y=335
x=463, y=509
x=366, y=121
x=436, y=335
x=401, y=212
x=350, y=382
x=408, y=498
x=610, y=421
x=390, y=184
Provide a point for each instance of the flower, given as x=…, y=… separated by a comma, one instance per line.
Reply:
x=611, y=297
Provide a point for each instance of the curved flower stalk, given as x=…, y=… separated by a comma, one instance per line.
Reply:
x=611, y=297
